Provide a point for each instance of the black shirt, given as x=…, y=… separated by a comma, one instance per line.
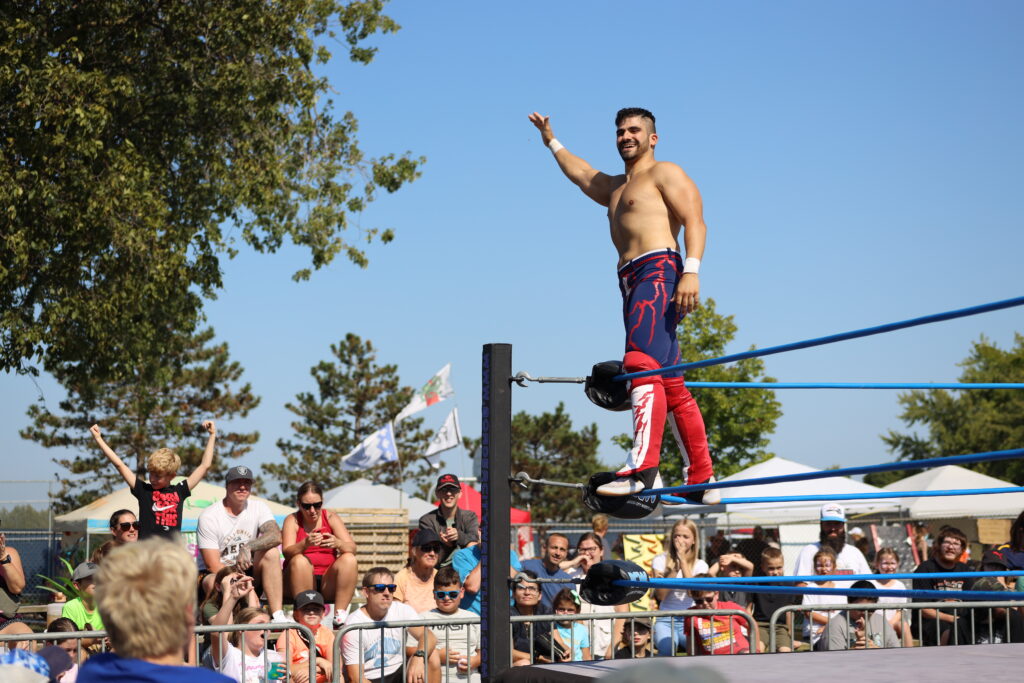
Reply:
x=160, y=511
x=765, y=604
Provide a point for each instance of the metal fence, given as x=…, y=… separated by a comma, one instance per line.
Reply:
x=39, y=550
x=200, y=631
x=965, y=610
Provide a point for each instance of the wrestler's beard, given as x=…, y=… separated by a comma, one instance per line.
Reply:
x=632, y=152
x=836, y=542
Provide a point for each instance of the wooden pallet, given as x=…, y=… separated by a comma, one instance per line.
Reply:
x=381, y=536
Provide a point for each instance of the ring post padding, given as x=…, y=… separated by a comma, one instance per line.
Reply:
x=603, y=583
x=495, y=501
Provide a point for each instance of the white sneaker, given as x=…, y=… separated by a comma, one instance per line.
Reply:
x=627, y=486
x=281, y=618
x=712, y=496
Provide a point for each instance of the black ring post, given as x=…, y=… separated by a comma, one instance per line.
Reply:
x=496, y=503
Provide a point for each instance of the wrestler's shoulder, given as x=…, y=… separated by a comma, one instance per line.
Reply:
x=668, y=169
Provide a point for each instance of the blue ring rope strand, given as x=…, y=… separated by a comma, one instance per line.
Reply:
x=955, y=386
x=989, y=456
x=759, y=580
x=823, y=497
x=831, y=339
x=818, y=590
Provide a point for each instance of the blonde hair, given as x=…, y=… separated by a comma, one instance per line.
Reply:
x=146, y=592
x=164, y=461
x=599, y=523
x=674, y=563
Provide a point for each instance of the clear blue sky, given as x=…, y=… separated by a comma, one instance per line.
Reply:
x=860, y=163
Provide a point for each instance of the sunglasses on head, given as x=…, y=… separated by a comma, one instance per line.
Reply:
x=125, y=526
x=441, y=595
x=381, y=587
x=312, y=506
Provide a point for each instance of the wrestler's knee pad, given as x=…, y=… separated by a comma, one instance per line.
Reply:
x=638, y=361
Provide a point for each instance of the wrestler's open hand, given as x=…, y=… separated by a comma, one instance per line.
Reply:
x=687, y=296
x=543, y=124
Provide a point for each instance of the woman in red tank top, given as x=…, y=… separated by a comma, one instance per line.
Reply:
x=319, y=551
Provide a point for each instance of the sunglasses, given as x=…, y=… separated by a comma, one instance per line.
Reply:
x=312, y=506
x=431, y=548
x=125, y=526
x=703, y=601
x=381, y=587
x=450, y=595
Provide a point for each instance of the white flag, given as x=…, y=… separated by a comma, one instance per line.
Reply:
x=375, y=449
x=448, y=436
x=434, y=391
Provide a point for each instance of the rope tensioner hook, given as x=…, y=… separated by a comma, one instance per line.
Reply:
x=522, y=377
x=524, y=480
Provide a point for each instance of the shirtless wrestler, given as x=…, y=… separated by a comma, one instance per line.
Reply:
x=648, y=204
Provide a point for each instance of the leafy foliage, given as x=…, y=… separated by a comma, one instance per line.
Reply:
x=163, y=404
x=964, y=422
x=142, y=140
x=547, y=447
x=24, y=516
x=738, y=421
x=354, y=397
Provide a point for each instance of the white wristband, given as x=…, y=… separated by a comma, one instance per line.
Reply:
x=555, y=145
x=691, y=265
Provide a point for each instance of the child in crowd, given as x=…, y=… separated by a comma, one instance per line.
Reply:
x=718, y=635
x=858, y=629
x=70, y=645
x=258, y=661
x=309, y=611
x=571, y=635
x=458, y=645
x=814, y=624
x=763, y=605
x=733, y=565
x=160, y=502
x=82, y=610
x=636, y=640
x=887, y=561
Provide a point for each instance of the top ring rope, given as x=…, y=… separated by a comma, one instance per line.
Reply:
x=521, y=378
x=831, y=339
x=989, y=456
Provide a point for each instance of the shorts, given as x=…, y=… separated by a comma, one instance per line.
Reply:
x=783, y=638
x=396, y=676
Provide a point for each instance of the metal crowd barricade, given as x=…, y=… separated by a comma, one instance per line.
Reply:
x=957, y=606
x=435, y=625
x=199, y=630
x=632, y=616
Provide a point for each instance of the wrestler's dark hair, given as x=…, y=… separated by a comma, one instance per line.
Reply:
x=629, y=112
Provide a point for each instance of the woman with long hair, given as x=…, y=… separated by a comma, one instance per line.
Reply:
x=678, y=561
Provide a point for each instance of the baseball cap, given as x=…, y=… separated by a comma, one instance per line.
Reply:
x=994, y=557
x=856, y=531
x=832, y=512
x=425, y=536
x=84, y=571
x=57, y=658
x=447, y=481
x=238, y=472
x=308, y=598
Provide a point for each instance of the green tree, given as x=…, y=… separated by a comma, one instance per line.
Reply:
x=963, y=422
x=738, y=421
x=24, y=517
x=162, y=404
x=354, y=397
x=547, y=447
x=143, y=141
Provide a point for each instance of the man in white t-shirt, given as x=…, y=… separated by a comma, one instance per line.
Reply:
x=849, y=560
x=381, y=654
x=244, y=533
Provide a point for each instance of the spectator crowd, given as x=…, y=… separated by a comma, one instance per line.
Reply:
x=148, y=594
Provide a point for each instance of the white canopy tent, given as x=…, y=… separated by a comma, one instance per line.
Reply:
x=952, y=477
x=773, y=514
x=363, y=493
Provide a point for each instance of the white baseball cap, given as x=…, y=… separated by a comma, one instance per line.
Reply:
x=833, y=512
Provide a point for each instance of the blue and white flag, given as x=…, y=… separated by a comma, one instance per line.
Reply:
x=375, y=449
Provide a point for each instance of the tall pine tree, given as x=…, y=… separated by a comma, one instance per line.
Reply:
x=163, y=403
x=354, y=397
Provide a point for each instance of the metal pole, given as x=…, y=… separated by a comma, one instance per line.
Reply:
x=495, y=493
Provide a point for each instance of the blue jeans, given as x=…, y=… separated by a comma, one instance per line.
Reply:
x=669, y=635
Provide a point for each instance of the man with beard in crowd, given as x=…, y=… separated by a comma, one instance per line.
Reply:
x=849, y=560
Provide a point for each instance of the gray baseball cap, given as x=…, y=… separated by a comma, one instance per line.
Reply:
x=239, y=472
x=84, y=571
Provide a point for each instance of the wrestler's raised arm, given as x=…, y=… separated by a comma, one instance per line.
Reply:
x=596, y=185
x=683, y=199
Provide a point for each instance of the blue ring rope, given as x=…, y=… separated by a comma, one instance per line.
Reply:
x=831, y=339
x=957, y=386
x=846, y=496
x=846, y=577
x=989, y=456
x=818, y=590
